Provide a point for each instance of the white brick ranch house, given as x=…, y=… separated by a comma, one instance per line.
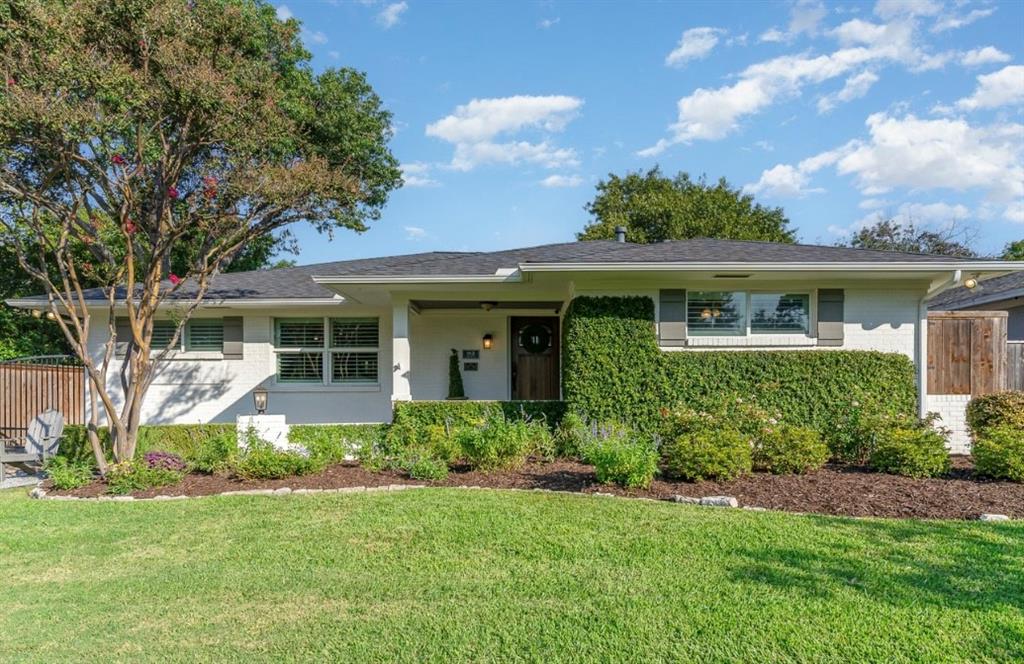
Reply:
x=339, y=342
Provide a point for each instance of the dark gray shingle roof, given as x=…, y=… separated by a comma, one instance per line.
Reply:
x=296, y=282
x=991, y=290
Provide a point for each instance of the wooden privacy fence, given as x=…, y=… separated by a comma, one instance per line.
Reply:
x=30, y=385
x=1015, y=365
x=967, y=352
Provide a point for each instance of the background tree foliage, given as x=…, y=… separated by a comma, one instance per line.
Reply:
x=1014, y=251
x=654, y=207
x=145, y=145
x=890, y=235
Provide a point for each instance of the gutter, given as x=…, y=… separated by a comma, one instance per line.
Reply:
x=502, y=277
x=903, y=266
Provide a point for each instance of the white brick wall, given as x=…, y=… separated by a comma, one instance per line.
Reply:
x=952, y=408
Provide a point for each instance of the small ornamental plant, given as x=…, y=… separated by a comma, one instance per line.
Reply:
x=165, y=461
x=456, y=390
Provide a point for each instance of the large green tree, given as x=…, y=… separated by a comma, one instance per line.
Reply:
x=890, y=235
x=654, y=207
x=1014, y=251
x=132, y=128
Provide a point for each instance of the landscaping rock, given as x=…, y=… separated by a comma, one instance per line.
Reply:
x=719, y=501
x=282, y=491
x=305, y=491
x=37, y=493
x=123, y=499
x=685, y=500
x=170, y=497
x=250, y=492
x=603, y=494
x=993, y=517
x=751, y=508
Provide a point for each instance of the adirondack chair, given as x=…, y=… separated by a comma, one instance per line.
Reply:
x=38, y=444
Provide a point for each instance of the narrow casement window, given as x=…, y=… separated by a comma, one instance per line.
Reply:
x=205, y=334
x=355, y=347
x=716, y=313
x=163, y=332
x=300, y=342
x=780, y=313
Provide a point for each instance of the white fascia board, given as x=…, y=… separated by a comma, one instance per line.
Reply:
x=994, y=267
x=369, y=280
x=207, y=302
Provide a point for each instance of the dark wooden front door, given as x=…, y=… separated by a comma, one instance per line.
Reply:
x=535, y=358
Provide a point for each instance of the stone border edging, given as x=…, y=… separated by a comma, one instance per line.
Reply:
x=707, y=501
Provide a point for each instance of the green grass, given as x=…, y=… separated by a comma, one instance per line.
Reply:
x=497, y=576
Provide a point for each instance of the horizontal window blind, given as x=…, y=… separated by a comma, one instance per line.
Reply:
x=300, y=333
x=355, y=333
x=782, y=313
x=359, y=367
x=716, y=313
x=300, y=367
x=205, y=334
x=163, y=331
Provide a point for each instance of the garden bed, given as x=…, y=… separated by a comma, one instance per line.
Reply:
x=835, y=489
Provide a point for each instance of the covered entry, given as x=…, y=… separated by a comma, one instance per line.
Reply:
x=535, y=357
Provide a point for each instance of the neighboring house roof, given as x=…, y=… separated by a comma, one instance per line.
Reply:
x=297, y=282
x=998, y=289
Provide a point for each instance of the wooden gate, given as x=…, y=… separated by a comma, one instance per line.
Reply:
x=967, y=352
x=30, y=385
x=1015, y=365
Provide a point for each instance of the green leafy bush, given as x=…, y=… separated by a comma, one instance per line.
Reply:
x=1003, y=409
x=66, y=474
x=911, y=451
x=425, y=467
x=620, y=456
x=707, y=454
x=614, y=371
x=183, y=439
x=137, y=475
x=789, y=449
x=457, y=414
x=999, y=453
x=571, y=436
x=261, y=460
x=335, y=443
x=499, y=444
x=215, y=454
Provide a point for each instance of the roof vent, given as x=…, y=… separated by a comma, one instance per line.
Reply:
x=620, y=233
x=732, y=276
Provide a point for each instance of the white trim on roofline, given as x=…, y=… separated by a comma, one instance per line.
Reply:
x=895, y=266
x=502, y=277
x=207, y=302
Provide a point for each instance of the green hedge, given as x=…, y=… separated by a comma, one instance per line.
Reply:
x=184, y=439
x=614, y=370
x=463, y=413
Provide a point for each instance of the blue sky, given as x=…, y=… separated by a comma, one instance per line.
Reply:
x=507, y=114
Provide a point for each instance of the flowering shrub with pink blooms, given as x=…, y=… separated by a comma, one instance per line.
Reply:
x=164, y=461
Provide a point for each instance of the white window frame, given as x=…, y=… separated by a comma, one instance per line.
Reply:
x=326, y=352
x=748, y=332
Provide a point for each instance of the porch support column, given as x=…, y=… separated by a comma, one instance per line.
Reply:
x=401, y=353
x=922, y=358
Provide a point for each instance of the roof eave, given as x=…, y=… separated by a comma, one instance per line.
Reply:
x=994, y=268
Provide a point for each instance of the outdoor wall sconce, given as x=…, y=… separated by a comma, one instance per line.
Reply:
x=260, y=399
x=488, y=341
x=971, y=283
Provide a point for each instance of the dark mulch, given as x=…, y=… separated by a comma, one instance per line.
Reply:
x=835, y=489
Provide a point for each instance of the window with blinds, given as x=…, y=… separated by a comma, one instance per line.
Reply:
x=205, y=334
x=349, y=352
x=163, y=332
x=779, y=313
x=716, y=313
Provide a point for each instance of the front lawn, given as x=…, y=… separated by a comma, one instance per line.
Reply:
x=442, y=574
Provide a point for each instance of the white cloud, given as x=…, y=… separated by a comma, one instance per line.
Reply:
x=284, y=13
x=695, y=44
x=952, y=22
x=417, y=174
x=314, y=36
x=562, y=181
x=855, y=87
x=392, y=14
x=888, y=9
x=983, y=56
x=767, y=146
x=414, y=233
x=1015, y=212
x=548, y=23
x=712, y=114
x=872, y=203
x=473, y=128
x=781, y=180
x=772, y=36
x=1002, y=88
x=334, y=54
x=804, y=17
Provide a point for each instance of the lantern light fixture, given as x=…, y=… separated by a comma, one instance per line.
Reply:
x=488, y=341
x=260, y=398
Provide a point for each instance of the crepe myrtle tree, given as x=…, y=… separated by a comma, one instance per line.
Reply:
x=131, y=127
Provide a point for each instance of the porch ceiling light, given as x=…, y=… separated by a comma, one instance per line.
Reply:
x=260, y=399
x=487, y=306
x=488, y=341
x=971, y=283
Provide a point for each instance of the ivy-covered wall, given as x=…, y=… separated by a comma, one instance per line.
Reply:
x=614, y=370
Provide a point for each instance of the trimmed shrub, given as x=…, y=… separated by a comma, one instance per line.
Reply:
x=613, y=370
x=620, y=456
x=1004, y=409
x=216, y=454
x=182, y=439
x=124, y=478
x=911, y=451
x=999, y=453
x=708, y=454
x=335, y=443
x=425, y=467
x=262, y=461
x=789, y=449
x=456, y=414
x=66, y=474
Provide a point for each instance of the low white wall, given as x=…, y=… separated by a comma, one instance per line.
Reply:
x=952, y=408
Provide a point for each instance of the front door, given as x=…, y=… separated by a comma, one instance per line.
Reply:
x=535, y=358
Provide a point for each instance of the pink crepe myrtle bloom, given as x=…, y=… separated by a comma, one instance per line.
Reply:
x=117, y=159
x=172, y=192
x=175, y=279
